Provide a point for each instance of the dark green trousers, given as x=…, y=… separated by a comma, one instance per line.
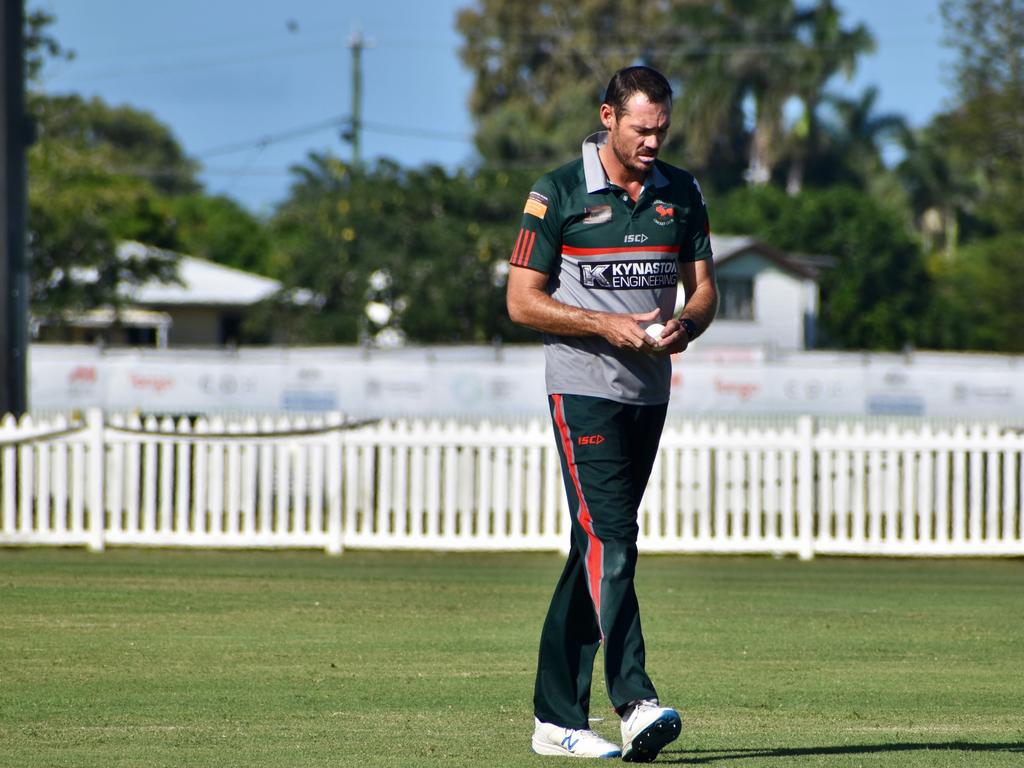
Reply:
x=607, y=452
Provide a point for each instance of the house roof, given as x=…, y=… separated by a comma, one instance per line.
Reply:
x=728, y=247
x=202, y=283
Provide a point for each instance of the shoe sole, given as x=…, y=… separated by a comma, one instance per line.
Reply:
x=651, y=740
x=543, y=748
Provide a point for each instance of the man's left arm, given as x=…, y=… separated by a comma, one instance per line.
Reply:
x=701, y=291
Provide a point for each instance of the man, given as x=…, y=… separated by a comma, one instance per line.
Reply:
x=604, y=242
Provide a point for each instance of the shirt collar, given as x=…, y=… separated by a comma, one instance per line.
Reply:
x=593, y=171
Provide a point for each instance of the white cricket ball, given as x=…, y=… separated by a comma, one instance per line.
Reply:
x=654, y=330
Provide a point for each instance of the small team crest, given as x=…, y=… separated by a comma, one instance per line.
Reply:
x=597, y=214
x=664, y=213
x=536, y=205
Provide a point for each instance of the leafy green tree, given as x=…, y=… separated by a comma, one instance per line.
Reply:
x=219, y=229
x=86, y=194
x=129, y=141
x=978, y=304
x=40, y=45
x=425, y=248
x=984, y=133
x=878, y=291
x=540, y=68
x=78, y=213
x=99, y=175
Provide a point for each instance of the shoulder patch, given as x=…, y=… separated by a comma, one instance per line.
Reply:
x=536, y=205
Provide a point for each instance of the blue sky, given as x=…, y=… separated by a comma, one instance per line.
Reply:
x=228, y=74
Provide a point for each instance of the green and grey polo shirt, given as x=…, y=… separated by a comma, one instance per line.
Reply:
x=603, y=252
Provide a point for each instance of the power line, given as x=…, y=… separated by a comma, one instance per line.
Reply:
x=340, y=121
x=423, y=133
x=276, y=138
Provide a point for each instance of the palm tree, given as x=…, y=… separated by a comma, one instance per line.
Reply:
x=757, y=57
x=830, y=50
x=858, y=131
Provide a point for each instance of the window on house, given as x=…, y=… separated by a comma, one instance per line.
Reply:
x=735, y=298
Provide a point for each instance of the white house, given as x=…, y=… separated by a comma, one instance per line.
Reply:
x=768, y=298
x=204, y=308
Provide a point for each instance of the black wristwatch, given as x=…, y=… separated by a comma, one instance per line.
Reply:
x=690, y=327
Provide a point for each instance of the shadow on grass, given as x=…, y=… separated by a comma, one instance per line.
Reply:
x=705, y=756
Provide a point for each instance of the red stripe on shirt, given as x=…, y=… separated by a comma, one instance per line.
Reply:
x=514, y=259
x=594, y=556
x=569, y=250
x=524, y=258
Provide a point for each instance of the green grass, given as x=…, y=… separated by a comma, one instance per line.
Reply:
x=169, y=658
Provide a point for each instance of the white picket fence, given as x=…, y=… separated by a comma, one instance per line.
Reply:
x=801, y=489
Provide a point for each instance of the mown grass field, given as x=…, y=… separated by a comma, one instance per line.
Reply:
x=171, y=658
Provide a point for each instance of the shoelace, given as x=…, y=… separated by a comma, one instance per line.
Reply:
x=641, y=706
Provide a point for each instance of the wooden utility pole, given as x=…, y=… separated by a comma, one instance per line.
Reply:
x=14, y=139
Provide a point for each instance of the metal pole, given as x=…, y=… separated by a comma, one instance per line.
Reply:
x=357, y=43
x=14, y=137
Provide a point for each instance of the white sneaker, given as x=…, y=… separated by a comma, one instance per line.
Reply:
x=646, y=729
x=551, y=739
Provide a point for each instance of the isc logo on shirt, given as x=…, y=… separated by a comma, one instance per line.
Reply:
x=637, y=238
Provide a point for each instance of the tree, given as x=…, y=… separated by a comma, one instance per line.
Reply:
x=979, y=305
x=219, y=229
x=130, y=142
x=78, y=213
x=83, y=196
x=397, y=253
x=984, y=133
x=99, y=175
x=877, y=293
x=541, y=68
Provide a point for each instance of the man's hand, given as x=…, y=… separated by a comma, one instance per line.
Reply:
x=674, y=339
x=627, y=331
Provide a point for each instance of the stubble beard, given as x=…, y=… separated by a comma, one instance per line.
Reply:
x=629, y=159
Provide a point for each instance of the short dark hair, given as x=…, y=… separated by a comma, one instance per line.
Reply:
x=630, y=80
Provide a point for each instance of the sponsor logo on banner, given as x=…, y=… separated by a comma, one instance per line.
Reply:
x=536, y=205
x=744, y=390
x=83, y=374
x=597, y=214
x=156, y=384
x=629, y=275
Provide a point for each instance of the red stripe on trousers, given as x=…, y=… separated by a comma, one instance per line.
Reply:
x=594, y=555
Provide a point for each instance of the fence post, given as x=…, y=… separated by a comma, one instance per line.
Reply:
x=335, y=453
x=805, y=483
x=97, y=463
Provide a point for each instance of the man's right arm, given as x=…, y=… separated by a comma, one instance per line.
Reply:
x=529, y=304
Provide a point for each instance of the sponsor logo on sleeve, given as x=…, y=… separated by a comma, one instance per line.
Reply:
x=629, y=275
x=536, y=205
x=597, y=214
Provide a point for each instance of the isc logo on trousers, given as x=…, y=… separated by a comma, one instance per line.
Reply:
x=590, y=439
